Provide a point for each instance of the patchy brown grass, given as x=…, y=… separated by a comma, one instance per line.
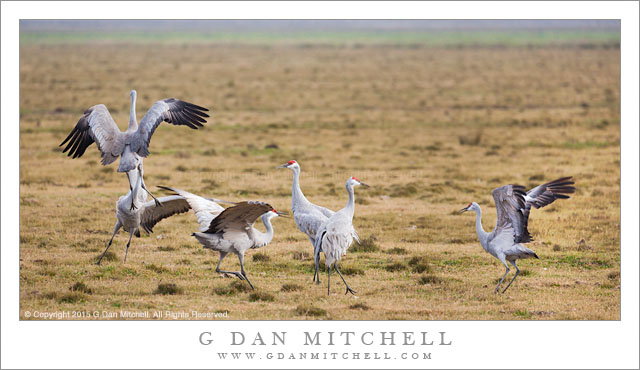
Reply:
x=430, y=129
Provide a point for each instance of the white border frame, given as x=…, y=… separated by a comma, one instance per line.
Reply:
x=497, y=344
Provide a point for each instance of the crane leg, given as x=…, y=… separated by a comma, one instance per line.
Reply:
x=235, y=273
x=158, y=204
x=129, y=179
x=328, y=280
x=128, y=243
x=115, y=231
x=241, y=258
x=503, y=276
x=349, y=290
x=514, y=277
x=316, y=258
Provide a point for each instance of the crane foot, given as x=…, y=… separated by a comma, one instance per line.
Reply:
x=349, y=290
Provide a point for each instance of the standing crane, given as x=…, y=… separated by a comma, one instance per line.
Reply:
x=308, y=216
x=97, y=125
x=231, y=230
x=133, y=212
x=335, y=236
x=513, y=205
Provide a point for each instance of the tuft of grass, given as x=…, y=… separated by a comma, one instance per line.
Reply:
x=73, y=297
x=404, y=191
x=350, y=270
x=307, y=310
x=238, y=286
x=536, y=177
x=291, y=287
x=167, y=288
x=224, y=290
x=419, y=265
x=396, y=250
x=260, y=257
x=109, y=256
x=261, y=296
x=525, y=314
x=300, y=256
x=429, y=279
x=614, y=275
x=525, y=272
x=157, y=269
x=366, y=245
x=166, y=249
x=557, y=248
x=80, y=287
x=359, y=306
x=393, y=267
x=471, y=139
x=181, y=168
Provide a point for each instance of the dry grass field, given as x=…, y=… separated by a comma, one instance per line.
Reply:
x=429, y=128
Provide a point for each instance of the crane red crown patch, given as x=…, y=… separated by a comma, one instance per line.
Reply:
x=291, y=162
x=274, y=210
x=355, y=178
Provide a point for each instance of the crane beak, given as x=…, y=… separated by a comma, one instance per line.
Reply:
x=465, y=209
x=364, y=185
x=282, y=214
x=283, y=165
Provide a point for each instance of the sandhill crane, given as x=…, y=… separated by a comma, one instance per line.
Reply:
x=307, y=216
x=513, y=206
x=133, y=212
x=335, y=236
x=97, y=125
x=231, y=231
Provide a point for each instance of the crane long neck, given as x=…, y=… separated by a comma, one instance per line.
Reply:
x=296, y=192
x=133, y=124
x=350, y=208
x=263, y=239
x=482, y=235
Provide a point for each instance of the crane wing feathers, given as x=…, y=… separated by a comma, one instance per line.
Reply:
x=205, y=209
x=546, y=194
x=96, y=125
x=238, y=217
x=510, y=208
x=173, y=111
x=152, y=214
x=309, y=222
x=513, y=205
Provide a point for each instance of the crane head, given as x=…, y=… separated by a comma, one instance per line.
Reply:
x=290, y=165
x=273, y=213
x=471, y=207
x=353, y=181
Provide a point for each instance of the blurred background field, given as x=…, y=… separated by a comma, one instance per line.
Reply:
x=433, y=115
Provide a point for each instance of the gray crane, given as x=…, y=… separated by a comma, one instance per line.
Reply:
x=97, y=125
x=308, y=216
x=133, y=212
x=231, y=230
x=513, y=206
x=336, y=235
